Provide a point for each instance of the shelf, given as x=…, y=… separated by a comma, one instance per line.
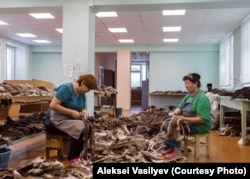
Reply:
x=30, y=99
x=167, y=94
x=104, y=94
x=112, y=96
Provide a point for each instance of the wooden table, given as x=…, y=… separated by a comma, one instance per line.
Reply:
x=39, y=102
x=241, y=104
x=163, y=100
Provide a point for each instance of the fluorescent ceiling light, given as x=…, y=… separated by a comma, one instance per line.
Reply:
x=42, y=41
x=3, y=23
x=25, y=35
x=126, y=40
x=59, y=30
x=117, y=30
x=106, y=14
x=171, y=29
x=42, y=15
x=173, y=12
x=170, y=40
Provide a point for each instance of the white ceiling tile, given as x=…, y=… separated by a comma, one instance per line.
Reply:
x=145, y=27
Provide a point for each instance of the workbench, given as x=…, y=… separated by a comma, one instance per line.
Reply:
x=241, y=104
x=28, y=104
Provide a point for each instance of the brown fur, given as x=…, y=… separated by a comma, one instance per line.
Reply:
x=87, y=139
x=173, y=129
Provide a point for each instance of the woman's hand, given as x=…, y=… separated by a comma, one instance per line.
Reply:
x=177, y=111
x=83, y=113
x=181, y=118
x=55, y=104
x=75, y=114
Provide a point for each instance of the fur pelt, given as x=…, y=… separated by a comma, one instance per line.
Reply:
x=173, y=132
x=176, y=129
x=87, y=139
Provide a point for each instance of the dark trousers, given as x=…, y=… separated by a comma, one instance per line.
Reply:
x=76, y=145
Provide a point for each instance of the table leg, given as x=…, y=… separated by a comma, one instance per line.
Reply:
x=243, y=125
x=222, y=115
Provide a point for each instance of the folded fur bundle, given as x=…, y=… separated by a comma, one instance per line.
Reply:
x=177, y=129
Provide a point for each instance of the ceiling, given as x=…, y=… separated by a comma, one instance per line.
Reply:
x=199, y=26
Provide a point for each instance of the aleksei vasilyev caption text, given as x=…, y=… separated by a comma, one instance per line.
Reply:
x=161, y=170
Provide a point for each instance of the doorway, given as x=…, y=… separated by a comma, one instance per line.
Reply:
x=139, y=80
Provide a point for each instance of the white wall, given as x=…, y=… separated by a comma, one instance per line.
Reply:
x=47, y=67
x=168, y=68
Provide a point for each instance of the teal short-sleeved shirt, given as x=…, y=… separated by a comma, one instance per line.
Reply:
x=68, y=97
x=66, y=94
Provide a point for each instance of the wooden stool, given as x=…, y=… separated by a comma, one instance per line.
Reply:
x=60, y=143
x=196, y=143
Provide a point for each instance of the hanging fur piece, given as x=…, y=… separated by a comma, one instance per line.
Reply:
x=185, y=130
x=173, y=132
x=177, y=130
x=87, y=139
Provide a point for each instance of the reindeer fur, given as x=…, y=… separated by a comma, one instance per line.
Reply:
x=177, y=129
x=87, y=138
x=173, y=132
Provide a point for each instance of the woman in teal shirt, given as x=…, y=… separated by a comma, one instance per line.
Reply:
x=194, y=108
x=66, y=111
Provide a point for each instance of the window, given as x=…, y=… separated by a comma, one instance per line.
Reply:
x=135, y=76
x=10, y=65
x=226, y=63
x=138, y=74
x=245, y=54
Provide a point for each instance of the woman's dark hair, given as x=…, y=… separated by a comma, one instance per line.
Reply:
x=193, y=77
